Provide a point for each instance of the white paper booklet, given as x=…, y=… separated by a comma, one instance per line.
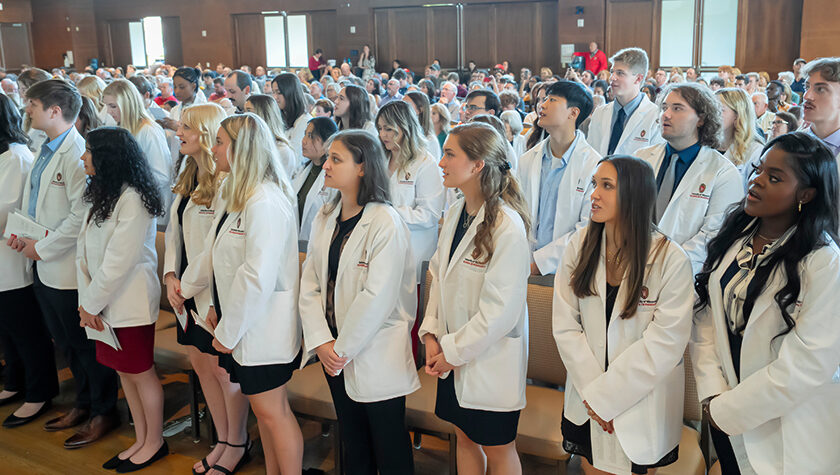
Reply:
x=21, y=225
x=107, y=336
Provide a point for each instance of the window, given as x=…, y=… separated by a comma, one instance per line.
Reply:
x=286, y=33
x=677, y=33
x=146, y=39
x=720, y=24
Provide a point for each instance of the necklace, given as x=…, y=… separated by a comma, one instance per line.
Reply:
x=765, y=237
x=468, y=219
x=615, y=259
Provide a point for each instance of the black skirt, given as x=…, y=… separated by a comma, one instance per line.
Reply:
x=259, y=379
x=578, y=440
x=482, y=427
x=194, y=335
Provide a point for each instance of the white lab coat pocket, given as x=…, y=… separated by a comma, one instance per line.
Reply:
x=491, y=380
x=380, y=370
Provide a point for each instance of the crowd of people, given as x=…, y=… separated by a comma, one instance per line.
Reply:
x=676, y=211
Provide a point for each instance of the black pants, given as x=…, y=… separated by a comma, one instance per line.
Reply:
x=725, y=453
x=30, y=360
x=96, y=384
x=373, y=435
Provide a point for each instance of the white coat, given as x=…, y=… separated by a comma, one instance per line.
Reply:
x=375, y=302
x=37, y=138
x=417, y=195
x=192, y=234
x=699, y=203
x=295, y=135
x=318, y=196
x=15, y=164
x=152, y=141
x=642, y=390
x=433, y=146
x=640, y=130
x=573, y=205
x=477, y=311
x=786, y=405
x=116, y=264
x=254, y=260
x=288, y=160
x=60, y=208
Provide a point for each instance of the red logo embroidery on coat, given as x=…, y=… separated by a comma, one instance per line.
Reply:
x=642, y=134
x=702, y=187
x=58, y=177
x=644, y=293
x=239, y=222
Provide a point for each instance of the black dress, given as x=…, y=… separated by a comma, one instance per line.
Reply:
x=252, y=379
x=482, y=427
x=578, y=440
x=193, y=335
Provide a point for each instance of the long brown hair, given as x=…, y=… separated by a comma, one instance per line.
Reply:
x=480, y=141
x=636, y=200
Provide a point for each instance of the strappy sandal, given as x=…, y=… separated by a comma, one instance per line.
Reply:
x=246, y=457
x=204, y=463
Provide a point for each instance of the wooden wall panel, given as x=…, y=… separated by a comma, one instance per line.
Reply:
x=50, y=34
x=249, y=32
x=408, y=29
x=479, y=34
x=172, y=51
x=770, y=35
x=547, y=51
x=514, y=34
x=445, y=44
x=16, y=11
x=820, y=35
x=120, y=42
x=382, y=50
x=17, y=50
x=629, y=23
x=322, y=31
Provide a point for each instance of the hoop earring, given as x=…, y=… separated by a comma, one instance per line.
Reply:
x=800, y=206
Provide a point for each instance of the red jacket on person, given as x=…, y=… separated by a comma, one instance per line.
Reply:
x=595, y=63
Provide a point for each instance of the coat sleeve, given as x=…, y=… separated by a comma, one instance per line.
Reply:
x=255, y=280
x=12, y=185
x=645, y=363
x=431, y=323
x=316, y=332
x=501, y=298
x=63, y=238
x=729, y=189
x=199, y=272
x=428, y=201
x=121, y=254
x=807, y=357
x=389, y=253
x=172, y=238
x=574, y=349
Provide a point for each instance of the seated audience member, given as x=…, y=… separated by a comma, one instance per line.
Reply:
x=783, y=122
x=441, y=122
x=717, y=83
x=219, y=91
x=481, y=101
x=323, y=108
x=763, y=117
x=166, y=92
x=392, y=92
x=740, y=143
x=449, y=98
x=513, y=131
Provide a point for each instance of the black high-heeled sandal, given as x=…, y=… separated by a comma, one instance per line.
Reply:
x=246, y=457
x=204, y=463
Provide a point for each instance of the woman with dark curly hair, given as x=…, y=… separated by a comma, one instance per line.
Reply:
x=119, y=290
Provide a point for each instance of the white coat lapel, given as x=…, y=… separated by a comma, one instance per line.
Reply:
x=466, y=241
x=696, y=168
x=326, y=239
x=633, y=122
x=534, y=169
x=718, y=313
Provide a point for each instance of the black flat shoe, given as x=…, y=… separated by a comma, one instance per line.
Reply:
x=246, y=457
x=15, y=421
x=113, y=462
x=14, y=397
x=127, y=466
x=204, y=463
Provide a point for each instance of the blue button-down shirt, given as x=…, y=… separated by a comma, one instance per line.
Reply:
x=47, y=152
x=629, y=109
x=685, y=158
x=832, y=141
x=551, y=173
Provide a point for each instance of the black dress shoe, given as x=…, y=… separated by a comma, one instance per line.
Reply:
x=128, y=466
x=14, y=397
x=15, y=421
x=113, y=462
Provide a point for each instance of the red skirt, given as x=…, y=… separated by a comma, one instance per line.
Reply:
x=138, y=350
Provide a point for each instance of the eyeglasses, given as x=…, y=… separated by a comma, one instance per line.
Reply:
x=474, y=108
x=779, y=122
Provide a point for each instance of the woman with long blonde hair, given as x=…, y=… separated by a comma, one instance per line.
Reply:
x=416, y=185
x=125, y=107
x=741, y=143
x=251, y=262
x=475, y=328
x=266, y=108
x=93, y=87
x=191, y=218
